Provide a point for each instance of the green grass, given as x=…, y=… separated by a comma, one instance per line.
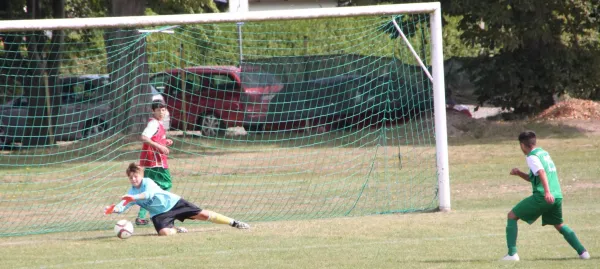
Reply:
x=471, y=236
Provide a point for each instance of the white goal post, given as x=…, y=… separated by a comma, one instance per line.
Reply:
x=437, y=59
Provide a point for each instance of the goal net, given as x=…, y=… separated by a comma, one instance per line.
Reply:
x=274, y=115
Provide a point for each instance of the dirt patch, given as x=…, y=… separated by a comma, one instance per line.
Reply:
x=583, y=115
x=472, y=191
x=567, y=118
x=572, y=109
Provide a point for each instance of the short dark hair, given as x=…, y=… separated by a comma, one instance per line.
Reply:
x=133, y=168
x=528, y=138
x=158, y=104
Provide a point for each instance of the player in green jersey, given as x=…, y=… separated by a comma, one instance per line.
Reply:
x=546, y=200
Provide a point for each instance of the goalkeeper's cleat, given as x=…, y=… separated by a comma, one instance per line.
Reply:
x=511, y=258
x=585, y=255
x=181, y=230
x=240, y=225
x=141, y=222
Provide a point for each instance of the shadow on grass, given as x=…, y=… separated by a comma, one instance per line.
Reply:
x=137, y=234
x=445, y=261
x=495, y=132
x=556, y=259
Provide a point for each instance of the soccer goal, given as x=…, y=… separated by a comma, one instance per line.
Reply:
x=275, y=115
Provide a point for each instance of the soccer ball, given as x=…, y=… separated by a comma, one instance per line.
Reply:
x=124, y=229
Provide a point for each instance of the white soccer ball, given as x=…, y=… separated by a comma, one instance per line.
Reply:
x=124, y=229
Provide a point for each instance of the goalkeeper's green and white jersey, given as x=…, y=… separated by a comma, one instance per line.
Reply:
x=539, y=159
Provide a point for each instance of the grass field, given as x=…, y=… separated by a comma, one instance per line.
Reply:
x=471, y=236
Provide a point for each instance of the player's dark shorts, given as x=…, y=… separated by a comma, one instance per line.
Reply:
x=532, y=207
x=181, y=211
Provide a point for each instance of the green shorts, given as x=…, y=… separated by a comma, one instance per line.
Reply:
x=161, y=176
x=532, y=207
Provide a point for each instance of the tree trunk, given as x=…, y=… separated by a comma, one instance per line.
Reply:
x=54, y=59
x=36, y=132
x=42, y=71
x=126, y=64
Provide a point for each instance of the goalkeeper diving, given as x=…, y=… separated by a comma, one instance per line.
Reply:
x=165, y=207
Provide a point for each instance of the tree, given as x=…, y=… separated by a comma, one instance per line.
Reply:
x=128, y=69
x=29, y=58
x=33, y=59
x=532, y=49
x=127, y=59
x=182, y=6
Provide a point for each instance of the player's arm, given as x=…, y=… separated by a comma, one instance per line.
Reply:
x=544, y=179
x=162, y=149
x=122, y=207
x=140, y=196
x=537, y=169
x=519, y=173
x=150, y=188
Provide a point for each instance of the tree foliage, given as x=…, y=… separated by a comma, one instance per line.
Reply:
x=29, y=57
x=128, y=68
x=182, y=6
x=532, y=49
x=525, y=51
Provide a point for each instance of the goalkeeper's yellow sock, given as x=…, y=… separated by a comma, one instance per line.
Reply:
x=219, y=219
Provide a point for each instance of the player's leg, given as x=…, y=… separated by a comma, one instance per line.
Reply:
x=167, y=231
x=208, y=215
x=572, y=239
x=141, y=217
x=164, y=224
x=217, y=218
x=185, y=210
x=171, y=231
x=512, y=230
x=554, y=217
x=528, y=210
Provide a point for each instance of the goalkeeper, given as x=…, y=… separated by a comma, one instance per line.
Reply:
x=165, y=207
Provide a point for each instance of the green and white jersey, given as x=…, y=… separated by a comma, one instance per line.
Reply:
x=537, y=160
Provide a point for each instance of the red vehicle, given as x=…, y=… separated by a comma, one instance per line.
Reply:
x=215, y=98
